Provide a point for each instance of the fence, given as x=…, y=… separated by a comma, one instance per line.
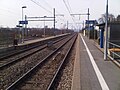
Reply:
x=114, y=51
x=6, y=38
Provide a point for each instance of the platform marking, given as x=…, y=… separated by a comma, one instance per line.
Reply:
x=102, y=82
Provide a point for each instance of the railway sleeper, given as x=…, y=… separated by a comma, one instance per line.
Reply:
x=58, y=55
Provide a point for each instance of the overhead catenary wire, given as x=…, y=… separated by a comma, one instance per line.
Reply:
x=69, y=11
x=57, y=13
x=69, y=6
x=72, y=12
x=9, y=11
x=37, y=3
x=48, y=5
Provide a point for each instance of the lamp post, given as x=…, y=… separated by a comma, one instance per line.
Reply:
x=22, y=11
x=44, y=25
x=88, y=25
x=106, y=34
x=54, y=19
x=23, y=24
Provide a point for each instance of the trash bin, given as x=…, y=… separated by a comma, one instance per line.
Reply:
x=15, y=42
x=98, y=40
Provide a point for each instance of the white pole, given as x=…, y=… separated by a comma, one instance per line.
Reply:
x=54, y=20
x=44, y=26
x=106, y=35
x=22, y=27
x=23, y=24
x=88, y=25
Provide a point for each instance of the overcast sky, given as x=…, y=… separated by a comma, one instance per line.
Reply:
x=11, y=10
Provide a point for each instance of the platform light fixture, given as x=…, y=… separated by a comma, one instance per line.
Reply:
x=22, y=11
x=23, y=25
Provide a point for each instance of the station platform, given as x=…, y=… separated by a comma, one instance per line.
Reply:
x=91, y=71
x=41, y=39
x=29, y=43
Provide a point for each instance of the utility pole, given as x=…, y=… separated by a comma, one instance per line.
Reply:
x=44, y=26
x=67, y=25
x=88, y=25
x=106, y=35
x=26, y=31
x=23, y=31
x=54, y=19
x=83, y=24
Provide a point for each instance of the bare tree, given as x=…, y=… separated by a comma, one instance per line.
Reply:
x=111, y=18
x=118, y=18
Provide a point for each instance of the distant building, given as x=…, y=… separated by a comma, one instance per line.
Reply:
x=113, y=33
x=90, y=28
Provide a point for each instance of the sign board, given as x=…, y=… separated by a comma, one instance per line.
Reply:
x=90, y=22
x=18, y=26
x=23, y=22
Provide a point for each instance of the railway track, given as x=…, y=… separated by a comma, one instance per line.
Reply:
x=54, y=81
x=10, y=74
x=43, y=75
x=15, y=52
x=13, y=58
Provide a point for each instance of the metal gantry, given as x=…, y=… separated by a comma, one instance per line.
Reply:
x=88, y=13
x=43, y=19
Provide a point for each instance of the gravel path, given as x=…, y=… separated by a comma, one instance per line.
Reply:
x=65, y=82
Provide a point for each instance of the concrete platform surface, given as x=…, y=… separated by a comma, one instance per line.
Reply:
x=91, y=72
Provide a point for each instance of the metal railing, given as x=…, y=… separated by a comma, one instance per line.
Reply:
x=114, y=51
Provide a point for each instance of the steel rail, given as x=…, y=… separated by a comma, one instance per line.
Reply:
x=17, y=82
x=17, y=52
x=19, y=59
x=21, y=51
x=52, y=83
